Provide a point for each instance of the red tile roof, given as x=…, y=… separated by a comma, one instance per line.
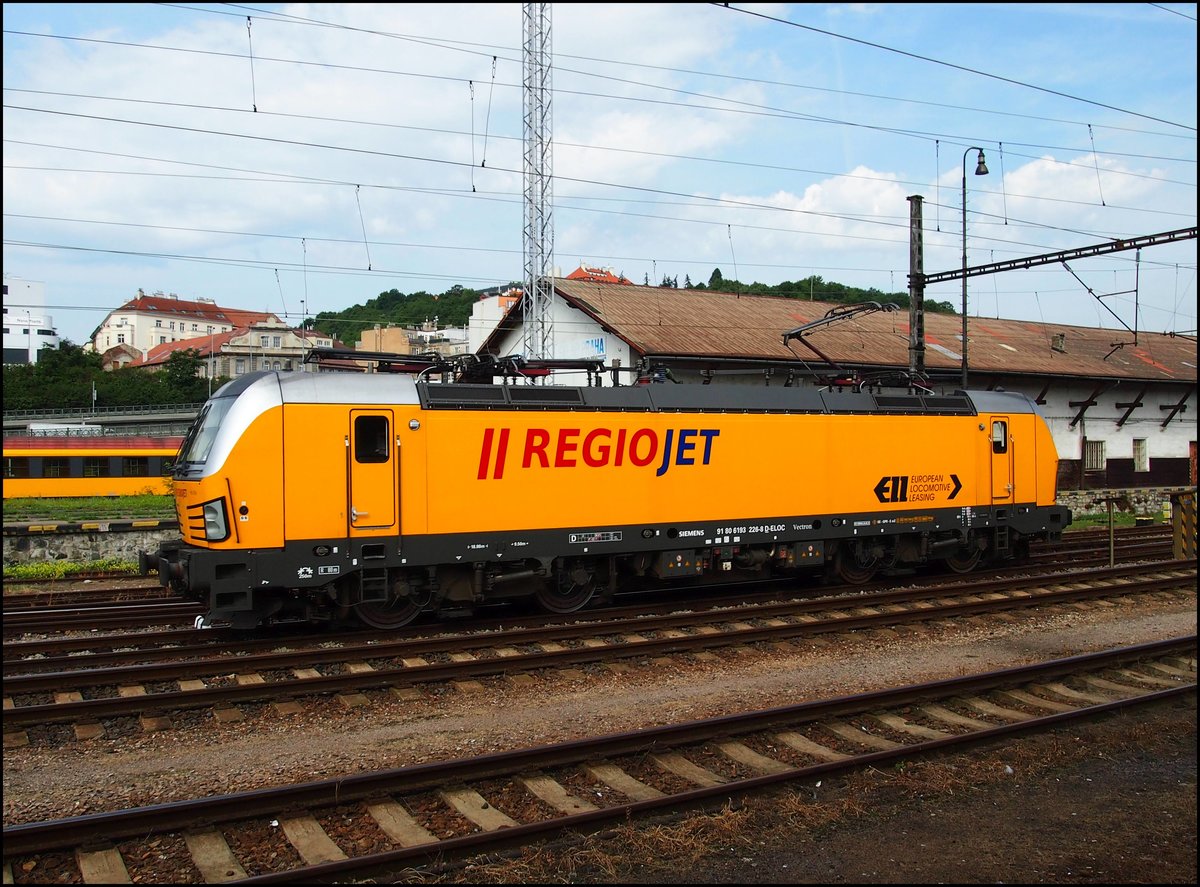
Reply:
x=206, y=311
x=599, y=275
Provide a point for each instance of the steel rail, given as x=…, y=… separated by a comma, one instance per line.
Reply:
x=418, y=674
x=144, y=822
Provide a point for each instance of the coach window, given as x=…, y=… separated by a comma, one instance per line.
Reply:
x=95, y=466
x=999, y=437
x=135, y=466
x=370, y=439
x=54, y=466
x=16, y=466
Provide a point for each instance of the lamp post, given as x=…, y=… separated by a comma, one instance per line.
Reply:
x=980, y=170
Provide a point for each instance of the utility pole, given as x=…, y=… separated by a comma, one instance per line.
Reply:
x=538, y=337
x=916, y=287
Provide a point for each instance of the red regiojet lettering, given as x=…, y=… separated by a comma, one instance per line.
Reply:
x=566, y=444
x=641, y=434
x=596, y=455
x=536, y=441
x=501, y=452
x=485, y=454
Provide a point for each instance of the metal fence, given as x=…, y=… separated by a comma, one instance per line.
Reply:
x=88, y=412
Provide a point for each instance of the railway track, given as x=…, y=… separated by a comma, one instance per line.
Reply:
x=62, y=609
x=90, y=648
x=376, y=824
x=78, y=690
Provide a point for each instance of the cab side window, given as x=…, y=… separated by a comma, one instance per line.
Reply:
x=999, y=437
x=370, y=439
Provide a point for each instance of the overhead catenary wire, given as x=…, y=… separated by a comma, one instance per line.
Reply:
x=739, y=208
x=924, y=58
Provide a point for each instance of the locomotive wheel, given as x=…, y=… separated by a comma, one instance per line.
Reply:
x=391, y=614
x=568, y=591
x=850, y=569
x=396, y=612
x=964, y=563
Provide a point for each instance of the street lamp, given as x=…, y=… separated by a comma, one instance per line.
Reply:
x=980, y=170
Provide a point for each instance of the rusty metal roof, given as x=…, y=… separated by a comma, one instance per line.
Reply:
x=678, y=322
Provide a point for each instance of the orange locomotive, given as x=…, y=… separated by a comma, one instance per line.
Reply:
x=305, y=497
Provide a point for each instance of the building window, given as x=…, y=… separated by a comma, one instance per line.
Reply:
x=209, y=329
x=95, y=466
x=239, y=366
x=172, y=324
x=195, y=327
x=263, y=340
x=54, y=466
x=1093, y=455
x=1141, y=456
x=135, y=466
x=276, y=341
x=120, y=338
x=157, y=322
x=162, y=340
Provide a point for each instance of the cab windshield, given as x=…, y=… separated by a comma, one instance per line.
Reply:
x=200, y=437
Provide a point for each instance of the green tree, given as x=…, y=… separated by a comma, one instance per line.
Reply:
x=20, y=392
x=180, y=378
x=61, y=378
x=127, y=387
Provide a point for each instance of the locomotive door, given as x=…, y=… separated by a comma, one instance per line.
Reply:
x=1002, y=461
x=373, y=471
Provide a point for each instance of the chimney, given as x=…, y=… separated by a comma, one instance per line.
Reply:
x=1059, y=343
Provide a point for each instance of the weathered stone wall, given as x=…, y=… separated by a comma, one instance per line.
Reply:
x=1146, y=501
x=83, y=546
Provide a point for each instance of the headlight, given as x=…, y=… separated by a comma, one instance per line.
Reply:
x=216, y=527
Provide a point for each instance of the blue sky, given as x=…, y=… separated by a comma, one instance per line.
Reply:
x=323, y=153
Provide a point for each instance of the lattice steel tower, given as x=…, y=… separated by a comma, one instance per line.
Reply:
x=538, y=339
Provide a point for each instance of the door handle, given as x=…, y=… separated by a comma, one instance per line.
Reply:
x=355, y=514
